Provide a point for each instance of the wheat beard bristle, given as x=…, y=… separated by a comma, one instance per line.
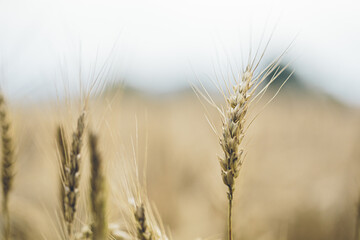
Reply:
x=97, y=191
x=7, y=175
x=72, y=174
x=62, y=145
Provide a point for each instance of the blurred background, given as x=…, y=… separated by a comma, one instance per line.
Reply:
x=300, y=179
x=158, y=45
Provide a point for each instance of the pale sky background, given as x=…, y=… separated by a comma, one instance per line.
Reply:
x=160, y=45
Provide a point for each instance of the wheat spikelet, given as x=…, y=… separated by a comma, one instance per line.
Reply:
x=84, y=234
x=7, y=174
x=143, y=232
x=97, y=191
x=117, y=233
x=72, y=174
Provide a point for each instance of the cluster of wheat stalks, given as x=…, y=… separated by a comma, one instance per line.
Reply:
x=141, y=222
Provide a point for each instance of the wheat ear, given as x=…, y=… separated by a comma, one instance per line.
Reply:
x=235, y=124
x=7, y=174
x=72, y=174
x=97, y=191
x=233, y=131
x=62, y=145
x=143, y=232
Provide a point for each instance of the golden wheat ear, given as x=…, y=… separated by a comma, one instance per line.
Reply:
x=63, y=149
x=70, y=172
x=235, y=124
x=98, y=194
x=7, y=162
x=233, y=132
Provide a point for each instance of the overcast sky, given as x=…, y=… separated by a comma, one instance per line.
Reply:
x=160, y=45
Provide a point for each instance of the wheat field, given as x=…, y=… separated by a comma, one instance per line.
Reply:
x=299, y=181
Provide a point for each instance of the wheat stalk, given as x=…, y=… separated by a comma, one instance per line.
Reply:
x=7, y=174
x=97, y=191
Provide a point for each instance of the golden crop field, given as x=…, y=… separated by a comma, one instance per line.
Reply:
x=157, y=172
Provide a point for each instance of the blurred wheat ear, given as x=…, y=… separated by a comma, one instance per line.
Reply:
x=62, y=145
x=97, y=192
x=7, y=174
x=70, y=171
x=143, y=232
